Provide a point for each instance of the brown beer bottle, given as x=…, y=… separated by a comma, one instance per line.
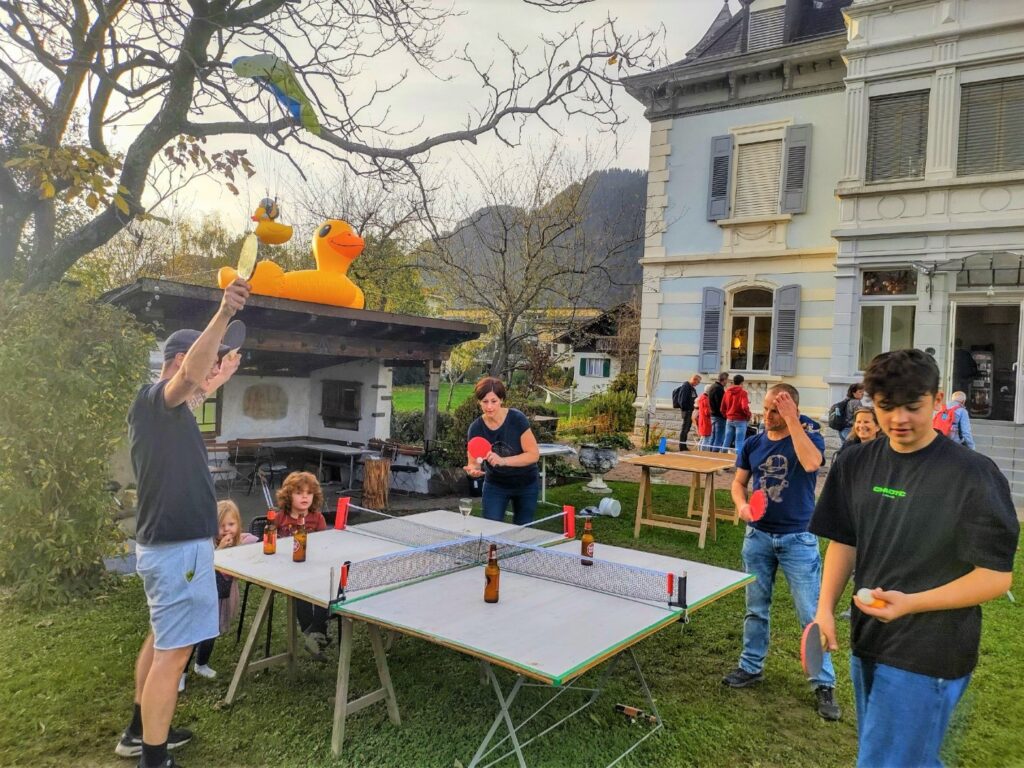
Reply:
x=492, y=573
x=299, y=543
x=587, y=543
x=270, y=534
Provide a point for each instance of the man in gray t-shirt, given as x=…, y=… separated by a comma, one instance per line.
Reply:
x=177, y=520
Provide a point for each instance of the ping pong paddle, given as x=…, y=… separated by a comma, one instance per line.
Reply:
x=247, y=257
x=758, y=505
x=812, y=650
x=234, y=336
x=478, y=448
x=865, y=597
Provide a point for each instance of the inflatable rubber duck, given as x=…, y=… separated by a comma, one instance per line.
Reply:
x=335, y=247
x=268, y=230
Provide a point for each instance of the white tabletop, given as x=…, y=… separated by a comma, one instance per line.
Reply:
x=555, y=449
x=309, y=445
x=544, y=629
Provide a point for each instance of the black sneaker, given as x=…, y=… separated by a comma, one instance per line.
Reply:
x=130, y=745
x=827, y=707
x=740, y=678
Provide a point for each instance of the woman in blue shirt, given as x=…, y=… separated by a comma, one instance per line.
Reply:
x=510, y=469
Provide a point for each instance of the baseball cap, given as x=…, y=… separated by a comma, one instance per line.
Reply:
x=183, y=339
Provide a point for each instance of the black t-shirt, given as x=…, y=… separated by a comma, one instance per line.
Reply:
x=176, y=498
x=715, y=399
x=506, y=440
x=918, y=520
x=687, y=397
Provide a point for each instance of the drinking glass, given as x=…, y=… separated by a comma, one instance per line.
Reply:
x=465, y=507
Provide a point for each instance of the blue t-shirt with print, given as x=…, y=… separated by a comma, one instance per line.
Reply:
x=775, y=468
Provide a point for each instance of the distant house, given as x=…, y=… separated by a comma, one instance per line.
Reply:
x=596, y=349
x=746, y=148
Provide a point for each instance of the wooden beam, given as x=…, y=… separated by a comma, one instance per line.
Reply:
x=431, y=396
x=341, y=346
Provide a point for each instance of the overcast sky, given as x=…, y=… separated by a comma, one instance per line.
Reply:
x=443, y=105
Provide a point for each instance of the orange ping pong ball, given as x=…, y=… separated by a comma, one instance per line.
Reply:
x=864, y=596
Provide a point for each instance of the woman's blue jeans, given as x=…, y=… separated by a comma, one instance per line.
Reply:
x=902, y=716
x=524, y=501
x=798, y=556
x=735, y=432
x=717, y=433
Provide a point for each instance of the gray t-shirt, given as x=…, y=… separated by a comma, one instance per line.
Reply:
x=176, y=500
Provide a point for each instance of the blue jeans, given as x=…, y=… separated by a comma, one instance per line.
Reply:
x=717, y=433
x=844, y=433
x=524, y=501
x=902, y=716
x=800, y=559
x=735, y=432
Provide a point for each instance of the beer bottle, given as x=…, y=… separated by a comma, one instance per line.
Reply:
x=299, y=543
x=270, y=534
x=587, y=543
x=492, y=573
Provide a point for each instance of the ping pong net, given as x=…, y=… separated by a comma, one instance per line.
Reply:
x=366, y=577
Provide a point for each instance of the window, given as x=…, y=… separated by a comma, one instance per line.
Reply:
x=770, y=177
x=893, y=282
x=991, y=127
x=757, y=179
x=599, y=367
x=340, y=404
x=208, y=415
x=884, y=327
x=897, y=136
x=751, y=337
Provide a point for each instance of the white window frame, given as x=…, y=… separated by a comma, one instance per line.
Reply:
x=595, y=362
x=887, y=303
x=750, y=313
x=757, y=134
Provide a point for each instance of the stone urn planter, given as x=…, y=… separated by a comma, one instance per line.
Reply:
x=656, y=475
x=597, y=461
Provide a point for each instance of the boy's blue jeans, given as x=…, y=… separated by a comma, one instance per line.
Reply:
x=735, y=434
x=798, y=556
x=717, y=433
x=902, y=716
x=496, y=497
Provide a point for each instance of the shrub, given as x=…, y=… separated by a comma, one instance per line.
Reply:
x=69, y=370
x=624, y=382
x=612, y=411
x=407, y=426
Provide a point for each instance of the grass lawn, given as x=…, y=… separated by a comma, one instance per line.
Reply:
x=66, y=689
x=410, y=398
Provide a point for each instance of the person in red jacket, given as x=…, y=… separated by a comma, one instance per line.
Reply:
x=704, y=419
x=736, y=409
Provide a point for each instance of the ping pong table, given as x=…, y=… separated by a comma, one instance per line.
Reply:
x=556, y=620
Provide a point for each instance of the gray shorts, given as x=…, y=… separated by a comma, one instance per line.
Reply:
x=181, y=591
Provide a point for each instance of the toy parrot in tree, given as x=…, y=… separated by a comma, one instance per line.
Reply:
x=277, y=75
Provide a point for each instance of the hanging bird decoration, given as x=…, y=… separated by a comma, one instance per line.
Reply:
x=276, y=74
x=269, y=231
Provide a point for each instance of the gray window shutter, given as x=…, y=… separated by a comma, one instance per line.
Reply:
x=991, y=127
x=718, y=184
x=712, y=309
x=796, y=169
x=897, y=136
x=785, y=330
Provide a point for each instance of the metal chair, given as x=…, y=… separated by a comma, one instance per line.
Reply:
x=270, y=467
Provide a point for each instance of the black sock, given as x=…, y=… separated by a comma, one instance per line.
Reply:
x=136, y=727
x=154, y=756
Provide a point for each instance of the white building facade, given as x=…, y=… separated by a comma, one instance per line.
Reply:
x=746, y=147
x=931, y=226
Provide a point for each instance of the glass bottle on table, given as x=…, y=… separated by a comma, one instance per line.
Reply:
x=270, y=534
x=492, y=574
x=299, y=543
x=587, y=543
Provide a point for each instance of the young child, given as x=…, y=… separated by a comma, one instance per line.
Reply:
x=300, y=501
x=230, y=534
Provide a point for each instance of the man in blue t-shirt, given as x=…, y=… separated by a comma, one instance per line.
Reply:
x=784, y=462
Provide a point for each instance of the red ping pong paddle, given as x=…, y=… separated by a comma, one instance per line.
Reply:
x=812, y=650
x=758, y=505
x=478, y=448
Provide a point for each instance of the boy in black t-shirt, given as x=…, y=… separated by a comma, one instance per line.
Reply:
x=930, y=529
